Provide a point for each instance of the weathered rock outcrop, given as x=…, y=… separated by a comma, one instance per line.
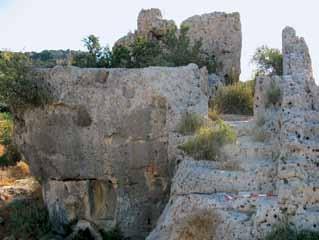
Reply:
x=105, y=148
x=257, y=183
x=220, y=34
x=150, y=21
x=150, y=24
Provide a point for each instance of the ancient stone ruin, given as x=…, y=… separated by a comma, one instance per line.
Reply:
x=219, y=32
x=106, y=149
x=256, y=184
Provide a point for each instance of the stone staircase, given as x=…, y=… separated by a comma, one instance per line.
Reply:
x=238, y=192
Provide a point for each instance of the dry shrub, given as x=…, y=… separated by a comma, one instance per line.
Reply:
x=213, y=114
x=208, y=140
x=234, y=99
x=201, y=226
x=190, y=123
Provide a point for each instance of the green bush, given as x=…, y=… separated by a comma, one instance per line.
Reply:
x=268, y=60
x=273, y=94
x=286, y=232
x=190, y=123
x=96, y=55
x=234, y=99
x=114, y=234
x=170, y=50
x=208, y=140
x=29, y=219
x=17, y=89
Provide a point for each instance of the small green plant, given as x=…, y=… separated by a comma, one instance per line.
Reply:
x=307, y=235
x=234, y=99
x=190, y=123
x=273, y=94
x=114, y=234
x=208, y=141
x=284, y=231
x=29, y=219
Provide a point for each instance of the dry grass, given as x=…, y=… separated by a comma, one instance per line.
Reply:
x=200, y=226
x=19, y=171
x=234, y=99
x=213, y=115
x=190, y=123
x=208, y=140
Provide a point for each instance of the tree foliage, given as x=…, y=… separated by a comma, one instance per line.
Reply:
x=268, y=61
x=17, y=89
x=172, y=49
x=96, y=55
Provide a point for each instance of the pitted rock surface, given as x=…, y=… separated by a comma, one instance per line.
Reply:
x=221, y=36
x=256, y=184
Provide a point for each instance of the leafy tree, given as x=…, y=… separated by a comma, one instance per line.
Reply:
x=145, y=53
x=96, y=56
x=92, y=43
x=82, y=59
x=17, y=89
x=104, y=58
x=172, y=49
x=268, y=61
x=121, y=57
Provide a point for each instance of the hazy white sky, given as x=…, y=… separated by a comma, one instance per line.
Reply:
x=27, y=25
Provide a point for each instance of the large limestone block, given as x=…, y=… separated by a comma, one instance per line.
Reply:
x=105, y=139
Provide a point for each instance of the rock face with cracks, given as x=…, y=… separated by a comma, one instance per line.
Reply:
x=105, y=148
x=257, y=182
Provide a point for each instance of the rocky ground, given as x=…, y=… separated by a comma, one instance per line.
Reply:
x=16, y=184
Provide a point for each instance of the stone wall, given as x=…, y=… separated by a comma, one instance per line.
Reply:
x=105, y=148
